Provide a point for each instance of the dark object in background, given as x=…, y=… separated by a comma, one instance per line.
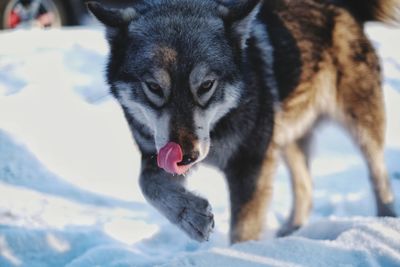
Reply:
x=39, y=13
x=44, y=13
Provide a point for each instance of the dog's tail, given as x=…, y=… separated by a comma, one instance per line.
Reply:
x=387, y=11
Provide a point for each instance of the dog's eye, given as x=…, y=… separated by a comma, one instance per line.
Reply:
x=155, y=88
x=205, y=87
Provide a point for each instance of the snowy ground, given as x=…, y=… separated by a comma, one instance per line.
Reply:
x=68, y=174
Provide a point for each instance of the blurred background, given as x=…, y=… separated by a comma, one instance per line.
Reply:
x=46, y=13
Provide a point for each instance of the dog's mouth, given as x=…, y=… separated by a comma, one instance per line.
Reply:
x=171, y=159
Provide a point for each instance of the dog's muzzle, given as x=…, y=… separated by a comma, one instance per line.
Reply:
x=171, y=159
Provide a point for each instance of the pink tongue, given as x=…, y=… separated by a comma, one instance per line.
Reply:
x=168, y=158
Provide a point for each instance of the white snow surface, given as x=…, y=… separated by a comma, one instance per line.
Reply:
x=68, y=174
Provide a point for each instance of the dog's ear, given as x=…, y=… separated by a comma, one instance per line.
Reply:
x=112, y=17
x=239, y=15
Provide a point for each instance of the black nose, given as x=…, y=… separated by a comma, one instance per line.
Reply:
x=189, y=158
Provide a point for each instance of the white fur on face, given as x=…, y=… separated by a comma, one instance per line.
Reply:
x=162, y=131
x=205, y=119
x=162, y=79
x=158, y=125
x=199, y=75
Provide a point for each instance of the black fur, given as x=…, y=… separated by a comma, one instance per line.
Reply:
x=287, y=60
x=366, y=10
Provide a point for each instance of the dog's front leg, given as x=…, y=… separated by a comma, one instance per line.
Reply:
x=250, y=180
x=168, y=195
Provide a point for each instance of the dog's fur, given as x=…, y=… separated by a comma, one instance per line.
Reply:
x=278, y=67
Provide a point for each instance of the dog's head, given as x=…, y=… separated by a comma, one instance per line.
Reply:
x=175, y=68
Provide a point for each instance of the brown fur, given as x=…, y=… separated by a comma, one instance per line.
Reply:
x=339, y=79
x=166, y=55
x=251, y=216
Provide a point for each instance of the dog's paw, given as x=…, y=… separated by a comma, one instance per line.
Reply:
x=386, y=210
x=189, y=212
x=287, y=229
x=196, y=219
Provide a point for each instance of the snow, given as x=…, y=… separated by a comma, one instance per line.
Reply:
x=333, y=242
x=68, y=174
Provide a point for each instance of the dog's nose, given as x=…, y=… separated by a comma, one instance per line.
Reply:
x=189, y=158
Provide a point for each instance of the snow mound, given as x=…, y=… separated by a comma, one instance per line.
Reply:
x=328, y=242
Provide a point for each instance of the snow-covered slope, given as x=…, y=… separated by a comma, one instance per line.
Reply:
x=68, y=174
x=334, y=242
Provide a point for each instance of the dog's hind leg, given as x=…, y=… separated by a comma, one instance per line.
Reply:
x=360, y=103
x=296, y=156
x=364, y=117
x=250, y=185
x=368, y=128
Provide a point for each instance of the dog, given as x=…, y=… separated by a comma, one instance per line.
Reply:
x=235, y=84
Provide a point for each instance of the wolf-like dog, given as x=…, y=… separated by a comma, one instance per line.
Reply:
x=236, y=83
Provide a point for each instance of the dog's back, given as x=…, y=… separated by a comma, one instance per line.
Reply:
x=325, y=67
